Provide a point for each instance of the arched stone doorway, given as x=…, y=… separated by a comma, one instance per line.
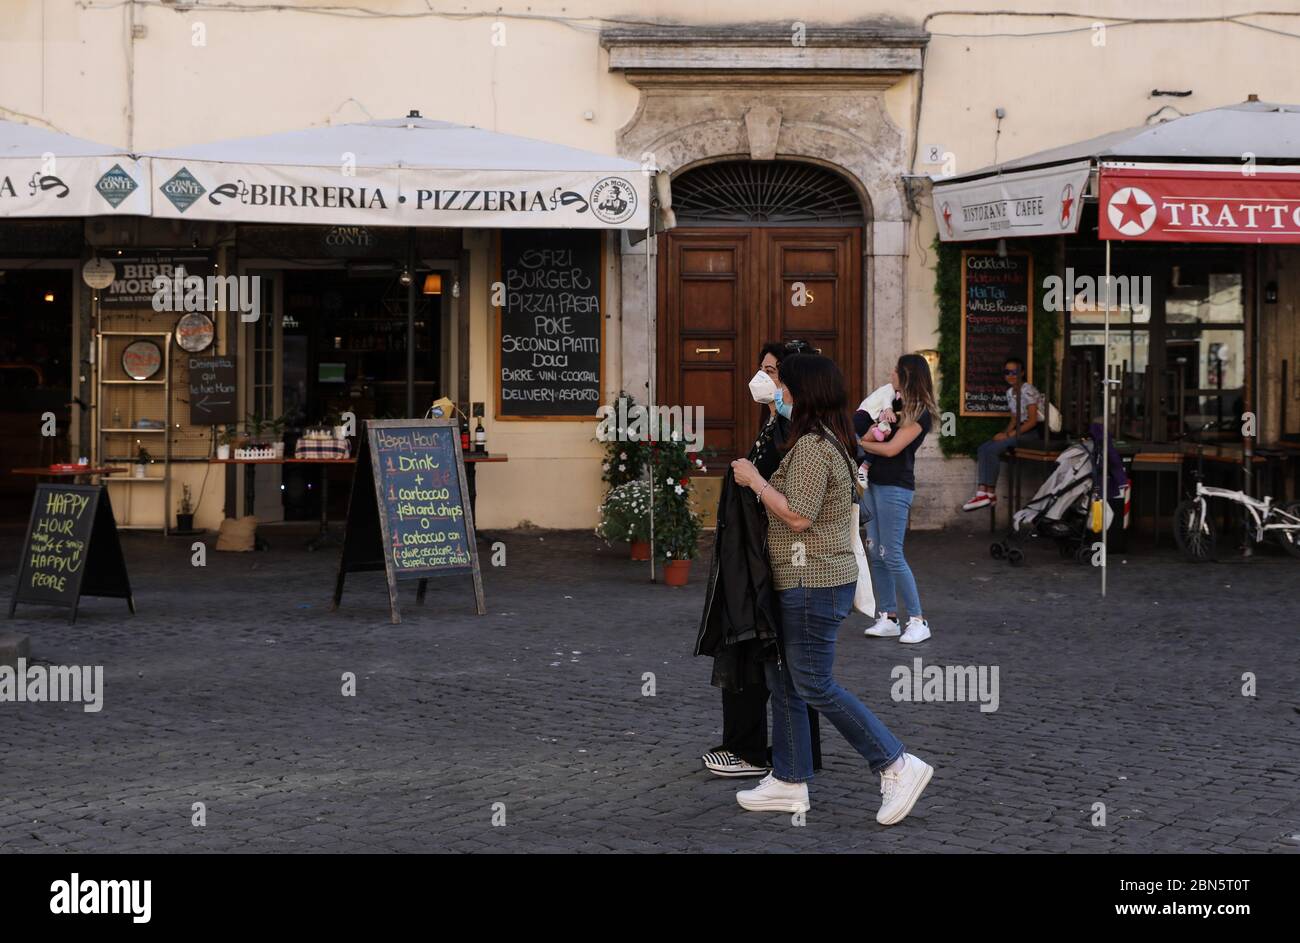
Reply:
x=763, y=251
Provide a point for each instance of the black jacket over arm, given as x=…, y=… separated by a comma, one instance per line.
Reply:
x=741, y=616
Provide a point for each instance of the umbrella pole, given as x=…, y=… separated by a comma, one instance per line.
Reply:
x=1105, y=421
x=650, y=388
x=410, y=323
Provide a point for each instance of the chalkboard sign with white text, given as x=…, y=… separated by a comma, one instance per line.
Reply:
x=213, y=390
x=551, y=325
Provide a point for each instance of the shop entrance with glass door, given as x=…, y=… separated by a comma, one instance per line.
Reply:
x=332, y=341
x=1178, y=341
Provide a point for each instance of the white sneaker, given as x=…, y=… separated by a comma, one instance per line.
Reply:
x=981, y=500
x=886, y=627
x=918, y=630
x=775, y=795
x=900, y=790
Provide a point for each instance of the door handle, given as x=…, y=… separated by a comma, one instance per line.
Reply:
x=708, y=350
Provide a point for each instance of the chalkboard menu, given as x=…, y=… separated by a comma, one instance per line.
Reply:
x=72, y=549
x=213, y=390
x=997, y=322
x=551, y=328
x=409, y=512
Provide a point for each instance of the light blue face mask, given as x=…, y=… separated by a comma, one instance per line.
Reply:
x=783, y=409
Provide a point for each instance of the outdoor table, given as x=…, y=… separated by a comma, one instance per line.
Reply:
x=76, y=474
x=250, y=486
x=472, y=459
x=1159, y=463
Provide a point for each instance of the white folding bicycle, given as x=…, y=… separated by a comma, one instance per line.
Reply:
x=1194, y=529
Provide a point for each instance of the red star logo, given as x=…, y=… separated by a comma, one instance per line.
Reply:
x=1131, y=211
x=947, y=218
x=1067, y=201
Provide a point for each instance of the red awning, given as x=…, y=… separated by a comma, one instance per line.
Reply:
x=1200, y=202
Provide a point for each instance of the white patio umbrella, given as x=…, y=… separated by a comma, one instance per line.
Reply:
x=408, y=171
x=45, y=173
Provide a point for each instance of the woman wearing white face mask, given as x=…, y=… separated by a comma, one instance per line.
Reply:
x=740, y=618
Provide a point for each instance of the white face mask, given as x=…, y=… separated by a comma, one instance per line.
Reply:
x=762, y=388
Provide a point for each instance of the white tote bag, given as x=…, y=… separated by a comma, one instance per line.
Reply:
x=864, y=597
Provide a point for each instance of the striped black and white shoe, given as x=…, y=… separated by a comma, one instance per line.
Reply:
x=726, y=763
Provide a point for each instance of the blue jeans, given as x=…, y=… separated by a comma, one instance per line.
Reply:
x=988, y=455
x=810, y=620
x=889, y=506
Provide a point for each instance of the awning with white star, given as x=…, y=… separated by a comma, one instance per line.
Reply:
x=401, y=172
x=1229, y=174
x=45, y=173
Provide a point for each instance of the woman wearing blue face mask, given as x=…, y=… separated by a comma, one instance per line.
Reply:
x=738, y=628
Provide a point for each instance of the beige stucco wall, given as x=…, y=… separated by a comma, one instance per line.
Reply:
x=203, y=74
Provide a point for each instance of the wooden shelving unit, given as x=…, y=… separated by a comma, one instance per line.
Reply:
x=129, y=400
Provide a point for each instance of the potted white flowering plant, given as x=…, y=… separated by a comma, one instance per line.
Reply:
x=625, y=515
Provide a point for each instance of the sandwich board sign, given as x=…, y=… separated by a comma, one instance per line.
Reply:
x=72, y=550
x=409, y=512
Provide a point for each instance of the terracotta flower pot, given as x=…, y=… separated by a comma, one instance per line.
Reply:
x=640, y=550
x=677, y=572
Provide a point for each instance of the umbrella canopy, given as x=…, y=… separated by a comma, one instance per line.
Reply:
x=45, y=173
x=401, y=172
x=1267, y=130
x=1225, y=156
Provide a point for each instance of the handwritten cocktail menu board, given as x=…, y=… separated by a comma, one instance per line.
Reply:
x=409, y=512
x=72, y=549
x=997, y=322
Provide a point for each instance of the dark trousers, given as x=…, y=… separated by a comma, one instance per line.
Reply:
x=744, y=726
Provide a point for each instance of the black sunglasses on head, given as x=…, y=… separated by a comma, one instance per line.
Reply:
x=1011, y=373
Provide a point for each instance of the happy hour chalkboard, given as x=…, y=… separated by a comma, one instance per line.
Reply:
x=997, y=322
x=213, y=390
x=72, y=549
x=409, y=513
x=551, y=327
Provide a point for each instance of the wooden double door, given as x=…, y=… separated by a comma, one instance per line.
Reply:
x=724, y=292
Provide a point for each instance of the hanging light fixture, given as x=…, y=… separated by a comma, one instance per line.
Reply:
x=433, y=284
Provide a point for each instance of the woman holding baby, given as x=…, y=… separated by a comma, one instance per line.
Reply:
x=890, y=435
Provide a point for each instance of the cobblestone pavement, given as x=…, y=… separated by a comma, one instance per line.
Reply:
x=225, y=689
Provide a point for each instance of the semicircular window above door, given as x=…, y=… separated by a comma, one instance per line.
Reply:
x=764, y=193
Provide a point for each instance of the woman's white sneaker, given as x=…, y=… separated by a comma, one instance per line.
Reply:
x=918, y=630
x=899, y=790
x=775, y=795
x=886, y=627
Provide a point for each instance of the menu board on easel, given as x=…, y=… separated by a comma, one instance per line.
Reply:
x=551, y=328
x=72, y=550
x=409, y=512
x=997, y=322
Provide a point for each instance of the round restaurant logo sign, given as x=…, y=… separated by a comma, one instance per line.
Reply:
x=613, y=200
x=98, y=273
x=1131, y=211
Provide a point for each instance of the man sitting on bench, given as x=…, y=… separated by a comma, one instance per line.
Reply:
x=1019, y=431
